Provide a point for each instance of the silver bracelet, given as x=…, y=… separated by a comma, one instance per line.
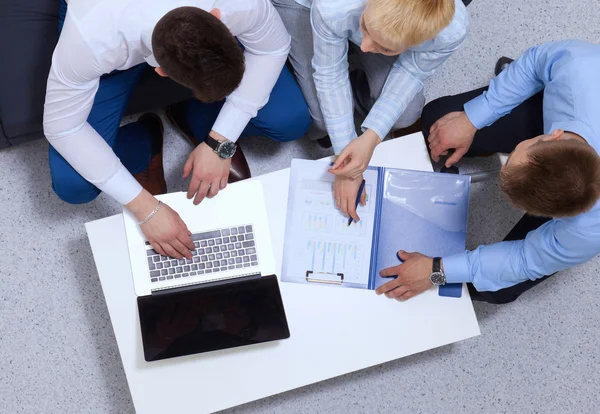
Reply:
x=144, y=221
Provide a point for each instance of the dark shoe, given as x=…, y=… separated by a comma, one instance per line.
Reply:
x=416, y=127
x=501, y=64
x=239, y=169
x=153, y=179
x=324, y=142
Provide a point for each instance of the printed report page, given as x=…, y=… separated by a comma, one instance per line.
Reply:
x=320, y=247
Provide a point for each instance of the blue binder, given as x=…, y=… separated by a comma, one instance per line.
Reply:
x=411, y=210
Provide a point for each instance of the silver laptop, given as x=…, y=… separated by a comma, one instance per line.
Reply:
x=230, y=233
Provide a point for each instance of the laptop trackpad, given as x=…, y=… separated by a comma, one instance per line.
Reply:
x=212, y=317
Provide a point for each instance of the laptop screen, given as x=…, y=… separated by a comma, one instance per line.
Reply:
x=212, y=317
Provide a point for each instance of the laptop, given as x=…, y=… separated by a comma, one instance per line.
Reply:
x=233, y=260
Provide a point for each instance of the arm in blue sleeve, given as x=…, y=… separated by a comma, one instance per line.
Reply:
x=522, y=79
x=554, y=246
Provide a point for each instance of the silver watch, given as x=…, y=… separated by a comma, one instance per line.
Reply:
x=437, y=276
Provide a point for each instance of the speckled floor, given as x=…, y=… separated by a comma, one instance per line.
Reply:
x=539, y=355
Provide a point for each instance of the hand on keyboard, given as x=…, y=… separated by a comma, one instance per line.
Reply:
x=168, y=234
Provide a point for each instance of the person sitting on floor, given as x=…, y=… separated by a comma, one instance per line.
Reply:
x=551, y=94
x=398, y=45
x=219, y=49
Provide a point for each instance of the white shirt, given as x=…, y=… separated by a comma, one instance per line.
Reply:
x=100, y=36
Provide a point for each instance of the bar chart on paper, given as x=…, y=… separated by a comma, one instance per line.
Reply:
x=334, y=258
x=327, y=249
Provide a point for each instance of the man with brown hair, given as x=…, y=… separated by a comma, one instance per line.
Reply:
x=551, y=93
x=103, y=49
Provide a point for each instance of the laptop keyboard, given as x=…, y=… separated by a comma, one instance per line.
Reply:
x=216, y=251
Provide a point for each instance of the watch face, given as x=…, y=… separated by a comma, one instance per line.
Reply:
x=227, y=149
x=437, y=278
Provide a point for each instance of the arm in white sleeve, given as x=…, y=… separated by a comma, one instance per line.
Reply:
x=266, y=46
x=72, y=85
x=554, y=246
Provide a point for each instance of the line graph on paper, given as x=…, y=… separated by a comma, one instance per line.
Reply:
x=334, y=257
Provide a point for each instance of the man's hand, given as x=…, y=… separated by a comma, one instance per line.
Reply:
x=165, y=231
x=345, y=191
x=412, y=276
x=452, y=131
x=355, y=158
x=209, y=171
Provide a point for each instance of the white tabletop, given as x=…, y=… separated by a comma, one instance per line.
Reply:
x=333, y=331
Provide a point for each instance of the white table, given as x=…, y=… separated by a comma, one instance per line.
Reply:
x=333, y=331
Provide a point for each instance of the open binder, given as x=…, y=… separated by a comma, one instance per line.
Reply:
x=405, y=210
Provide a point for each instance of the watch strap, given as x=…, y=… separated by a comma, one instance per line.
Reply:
x=211, y=142
x=437, y=264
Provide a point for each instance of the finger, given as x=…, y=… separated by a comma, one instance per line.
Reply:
x=390, y=271
x=433, y=131
x=387, y=287
x=186, y=240
x=344, y=206
x=352, y=209
x=406, y=295
x=159, y=249
x=458, y=153
x=363, y=197
x=223, y=183
x=181, y=249
x=214, y=188
x=171, y=252
x=202, y=192
x=398, y=292
x=404, y=256
x=337, y=196
x=193, y=187
x=187, y=168
x=339, y=161
x=350, y=170
x=444, y=153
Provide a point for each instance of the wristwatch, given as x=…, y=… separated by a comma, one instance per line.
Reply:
x=437, y=276
x=224, y=149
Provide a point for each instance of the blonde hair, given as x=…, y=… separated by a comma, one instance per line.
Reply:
x=406, y=23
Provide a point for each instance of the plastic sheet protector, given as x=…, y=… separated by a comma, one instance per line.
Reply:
x=405, y=210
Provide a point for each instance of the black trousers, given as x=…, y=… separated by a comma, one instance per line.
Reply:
x=524, y=122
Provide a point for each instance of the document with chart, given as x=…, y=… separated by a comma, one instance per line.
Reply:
x=408, y=210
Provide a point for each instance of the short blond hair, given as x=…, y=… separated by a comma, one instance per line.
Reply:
x=406, y=23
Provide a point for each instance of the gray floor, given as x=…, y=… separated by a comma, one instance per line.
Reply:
x=58, y=352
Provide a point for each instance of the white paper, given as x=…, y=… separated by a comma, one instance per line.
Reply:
x=319, y=244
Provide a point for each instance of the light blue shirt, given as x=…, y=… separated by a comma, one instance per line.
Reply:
x=335, y=22
x=569, y=73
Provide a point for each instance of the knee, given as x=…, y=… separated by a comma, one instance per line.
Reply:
x=292, y=124
x=408, y=119
x=433, y=111
x=73, y=189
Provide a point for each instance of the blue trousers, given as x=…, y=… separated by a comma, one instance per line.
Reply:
x=285, y=117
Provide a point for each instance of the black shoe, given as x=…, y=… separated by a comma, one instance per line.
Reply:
x=324, y=142
x=501, y=64
x=153, y=178
x=155, y=127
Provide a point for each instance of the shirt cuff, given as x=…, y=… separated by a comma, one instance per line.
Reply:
x=479, y=113
x=231, y=122
x=456, y=268
x=376, y=125
x=122, y=186
x=575, y=127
